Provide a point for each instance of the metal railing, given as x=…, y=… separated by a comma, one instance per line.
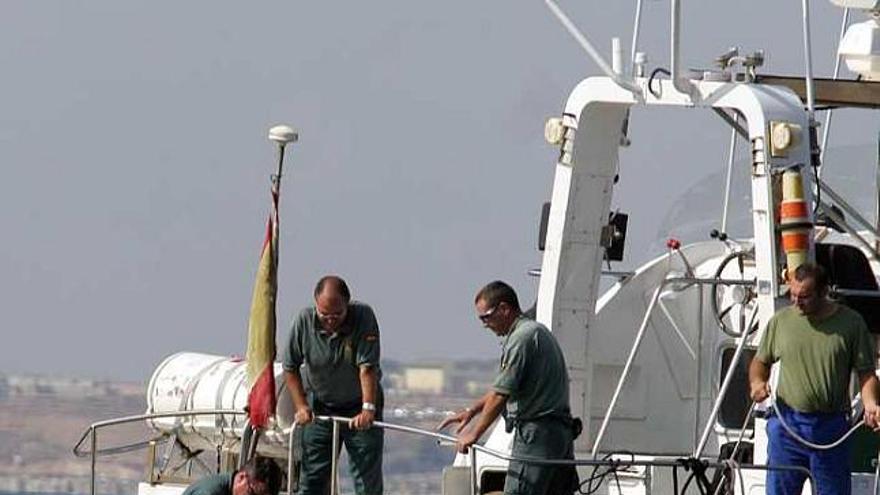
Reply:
x=474, y=480
x=92, y=431
x=612, y=464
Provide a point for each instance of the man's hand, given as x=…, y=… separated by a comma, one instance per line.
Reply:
x=303, y=416
x=465, y=441
x=463, y=417
x=363, y=421
x=872, y=416
x=759, y=390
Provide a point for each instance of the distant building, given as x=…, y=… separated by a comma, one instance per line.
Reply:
x=424, y=379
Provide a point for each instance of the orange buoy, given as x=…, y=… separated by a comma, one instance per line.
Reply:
x=795, y=224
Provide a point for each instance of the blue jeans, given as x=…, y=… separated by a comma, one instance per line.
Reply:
x=830, y=468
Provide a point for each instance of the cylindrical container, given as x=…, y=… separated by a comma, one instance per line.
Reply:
x=190, y=381
x=795, y=224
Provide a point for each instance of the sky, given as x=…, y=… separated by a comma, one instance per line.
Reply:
x=134, y=164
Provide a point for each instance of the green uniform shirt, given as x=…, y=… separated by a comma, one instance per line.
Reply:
x=817, y=357
x=533, y=374
x=333, y=361
x=215, y=484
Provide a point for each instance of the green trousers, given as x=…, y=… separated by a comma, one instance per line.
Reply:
x=364, y=449
x=545, y=438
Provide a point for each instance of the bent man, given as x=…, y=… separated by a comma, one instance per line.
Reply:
x=818, y=344
x=531, y=391
x=336, y=341
x=259, y=476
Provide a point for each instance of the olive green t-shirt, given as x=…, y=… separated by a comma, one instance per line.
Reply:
x=817, y=357
x=532, y=373
x=333, y=361
x=215, y=484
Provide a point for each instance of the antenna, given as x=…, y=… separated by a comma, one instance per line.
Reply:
x=623, y=82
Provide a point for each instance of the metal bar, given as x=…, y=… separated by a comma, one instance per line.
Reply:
x=808, y=58
x=730, y=159
x=566, y=462
x=851, y=231
x=142, y=417
x=475, y=488
x=732, y=122
x=94, y=460
x=698, y=367
x=637, y=25
x=847, y=208
x=827, y=129
x=626, y=368
x=334, y=461
x=725, y=385
x=679, y=82
x=708, y=281
x=856, y=292
x=290, y=455
x=676, y=328
x=624, y=82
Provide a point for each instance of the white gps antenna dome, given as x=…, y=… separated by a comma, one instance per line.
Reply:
x=283, y=134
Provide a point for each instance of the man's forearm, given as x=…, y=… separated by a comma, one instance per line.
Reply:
x=369, y=381
x=294, y=385
x=758, y=371
x=491, y=405
x=869, y=388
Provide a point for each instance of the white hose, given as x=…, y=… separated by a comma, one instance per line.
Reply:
x=807, y=443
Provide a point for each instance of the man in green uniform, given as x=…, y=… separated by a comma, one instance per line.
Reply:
x=259, y=476
x=531, y=391
x=818, y=344
x=336, y=342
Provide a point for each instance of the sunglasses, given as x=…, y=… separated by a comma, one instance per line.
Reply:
x=487, y=315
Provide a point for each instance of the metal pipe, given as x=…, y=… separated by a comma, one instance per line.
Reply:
x=142, y=417
x=679, y=82
x=851, y=231
x=728, y=377
x=620, y=80
x=676, y=328
x=290, y=455
x=730, y=159
x=698, y=366
x=475, y=488
x=626, y=368
x=634, y=47
x=334, y=461
x=827, y=129
x=847, y=208
x=94, y=460
x=808, y=59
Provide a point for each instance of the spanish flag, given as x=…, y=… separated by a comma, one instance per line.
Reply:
x=261, y=326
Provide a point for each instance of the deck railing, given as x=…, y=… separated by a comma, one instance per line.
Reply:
x=612, y=464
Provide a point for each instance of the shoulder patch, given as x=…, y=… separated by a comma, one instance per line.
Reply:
x=371, y=337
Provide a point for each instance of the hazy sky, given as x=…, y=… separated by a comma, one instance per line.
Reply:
x=135, y=165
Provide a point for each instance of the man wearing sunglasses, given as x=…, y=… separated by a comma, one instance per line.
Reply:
x=530, y=391
x=259, y=476
x=336, y=343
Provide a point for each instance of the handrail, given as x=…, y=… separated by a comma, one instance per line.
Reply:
x=141, y=417
x=92, y=432
x=592, y=461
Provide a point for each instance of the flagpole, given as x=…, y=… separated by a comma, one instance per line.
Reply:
x=281, y=135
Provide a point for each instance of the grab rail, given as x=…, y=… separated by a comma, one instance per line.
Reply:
x=92, y=431
x=511, y=457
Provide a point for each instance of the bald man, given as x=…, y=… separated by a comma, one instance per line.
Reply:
x=336, y=343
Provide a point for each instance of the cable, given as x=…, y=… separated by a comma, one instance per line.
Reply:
x=654, y=73
x=599, y=473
